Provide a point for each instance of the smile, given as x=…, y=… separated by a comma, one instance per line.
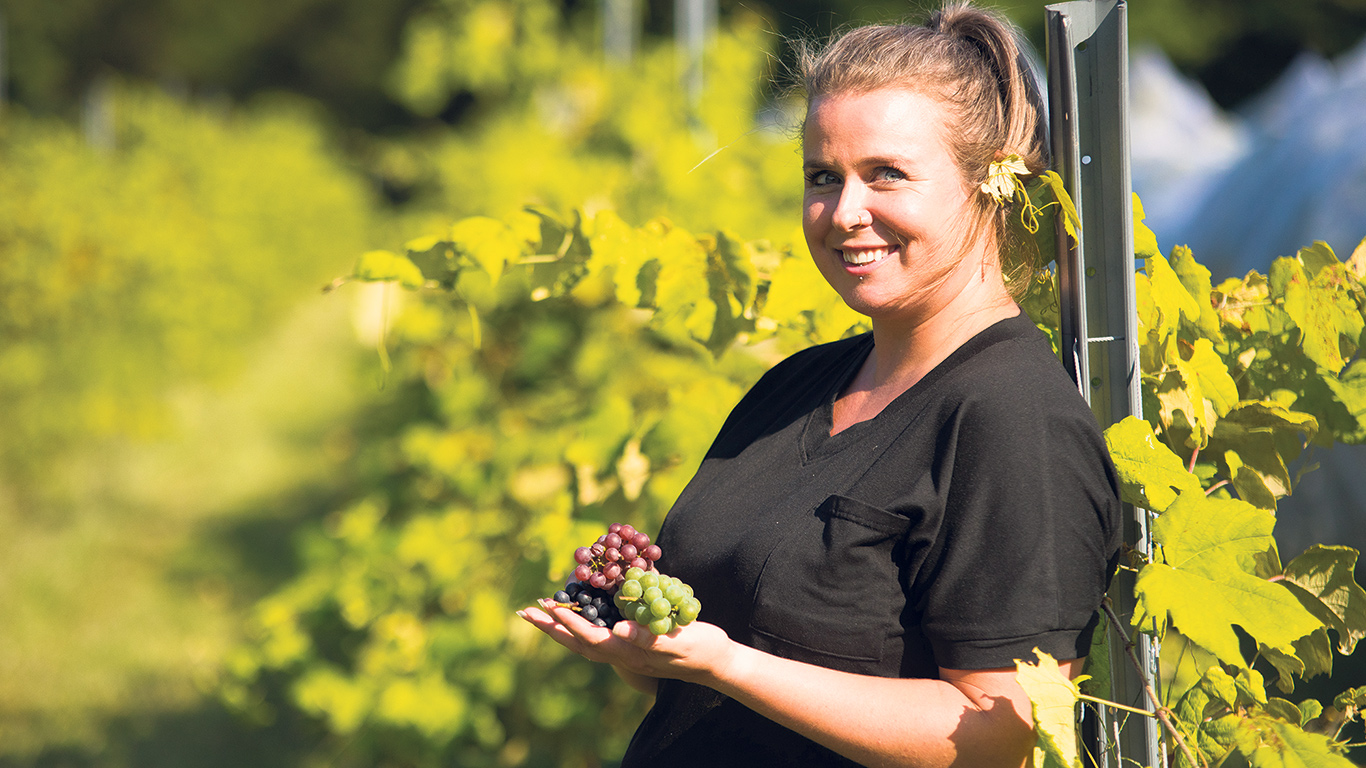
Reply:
x=861, y=256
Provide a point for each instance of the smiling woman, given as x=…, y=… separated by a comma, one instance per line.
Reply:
x=886, y=523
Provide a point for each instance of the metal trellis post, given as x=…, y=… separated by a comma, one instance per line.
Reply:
x=1088, y=95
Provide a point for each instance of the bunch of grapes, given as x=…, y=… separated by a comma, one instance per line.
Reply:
x=604, y=564
x=592, y=603
x=616, y=579
x=654, y=600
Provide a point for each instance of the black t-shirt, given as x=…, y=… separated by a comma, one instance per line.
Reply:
x=974, y=519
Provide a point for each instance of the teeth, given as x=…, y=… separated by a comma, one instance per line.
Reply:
x=865, y=256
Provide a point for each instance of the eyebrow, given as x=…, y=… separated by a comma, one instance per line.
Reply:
x=865, y=162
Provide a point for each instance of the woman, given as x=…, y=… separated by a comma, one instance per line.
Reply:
x=885, y=523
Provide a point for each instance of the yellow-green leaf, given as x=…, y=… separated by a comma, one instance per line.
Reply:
x=1196, y=279
x=386, y=266
x=490, y=243
x=1173, y=301
x=1052, y=699
x=1204, y=583
x=1150, y=474
x=1323, y=578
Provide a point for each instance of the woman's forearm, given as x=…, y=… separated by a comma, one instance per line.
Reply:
x=975, y=720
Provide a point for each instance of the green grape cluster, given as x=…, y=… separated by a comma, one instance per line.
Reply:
x=653, y=600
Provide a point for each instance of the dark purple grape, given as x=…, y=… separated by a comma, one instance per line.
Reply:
x=583, y=555
x=653, y=552
x=573, y=587
x=599, y=623
x=584, y=598
x=561, y=597
x=583, y=572
x=588, y=612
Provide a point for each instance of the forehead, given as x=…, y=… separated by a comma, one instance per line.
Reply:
x=888, y=121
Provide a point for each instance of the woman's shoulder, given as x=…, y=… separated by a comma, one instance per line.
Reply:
x=1014, y=380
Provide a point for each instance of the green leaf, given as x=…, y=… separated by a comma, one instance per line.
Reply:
x=1257, y=472
x=489, y=243
x=1145, y=242
x=1309, y=710
x=1052, y=699
x=1150, y=474
x=1174, y=303
x=1269, y=742
x=1201, y=712
x=1288, y=666
x=1350, y=389
x=1322, y=577
x=1318, y=302
x=385, y=266
x=1195, y=277
x=1284, y=710
x=1263, y=416
x=1205, y=582
x=1210, y=370
x=1356, y=264
x=1316, y=651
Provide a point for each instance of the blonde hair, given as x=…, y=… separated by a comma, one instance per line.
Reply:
x=972, y=61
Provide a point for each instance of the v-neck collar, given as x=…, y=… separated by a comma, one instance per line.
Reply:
x=816, y=439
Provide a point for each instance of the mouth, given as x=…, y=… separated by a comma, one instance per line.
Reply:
x=861, y=256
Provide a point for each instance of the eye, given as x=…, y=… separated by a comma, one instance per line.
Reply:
x=888, y=173
x=821, y=178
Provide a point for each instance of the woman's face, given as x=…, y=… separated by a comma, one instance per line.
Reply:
x=886, y=207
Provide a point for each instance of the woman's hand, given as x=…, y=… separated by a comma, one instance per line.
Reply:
x=696, y=653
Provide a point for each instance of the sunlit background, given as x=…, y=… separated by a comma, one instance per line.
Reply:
x=185, y=415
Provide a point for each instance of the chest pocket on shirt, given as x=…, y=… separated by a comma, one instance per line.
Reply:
x=831, y=586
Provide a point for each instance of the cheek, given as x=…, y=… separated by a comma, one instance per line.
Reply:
x=814, y=216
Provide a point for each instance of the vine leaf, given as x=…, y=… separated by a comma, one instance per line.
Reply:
x=1357, y=262
x=1205, y=581
x=1350, y=389
x=1052, y=699
x=1173, y=301
x=382, y=266
x=1195, y=277
x=1313, y=657
x=1205, y=709
x=1322, y=577
x=1270, y=742
x=488, y=242
x=1148, y=469
x=1314, y=288
x=1145, y=242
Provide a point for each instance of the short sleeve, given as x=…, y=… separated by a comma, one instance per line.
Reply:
x=1030, y=531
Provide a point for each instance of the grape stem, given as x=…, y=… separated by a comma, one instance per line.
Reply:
x=1160, y=712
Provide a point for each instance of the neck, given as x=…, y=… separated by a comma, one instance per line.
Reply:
x=908, y=348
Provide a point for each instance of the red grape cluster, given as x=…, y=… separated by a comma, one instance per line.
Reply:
x=604, y=564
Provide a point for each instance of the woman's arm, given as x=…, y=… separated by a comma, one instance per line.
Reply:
x=975, y=718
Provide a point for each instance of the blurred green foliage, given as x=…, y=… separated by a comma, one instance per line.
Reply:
x=148, y=263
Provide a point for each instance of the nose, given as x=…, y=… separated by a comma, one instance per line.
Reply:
x=851, y=212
